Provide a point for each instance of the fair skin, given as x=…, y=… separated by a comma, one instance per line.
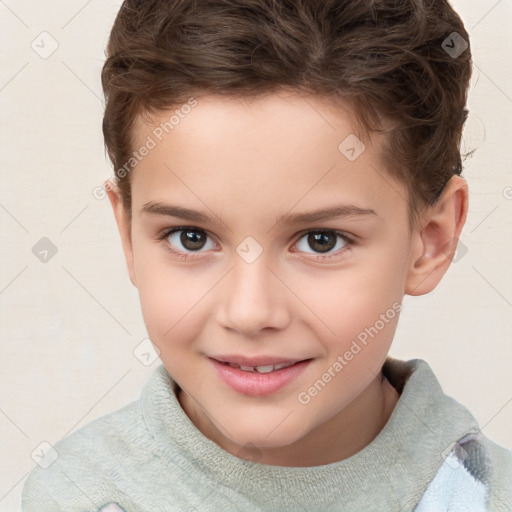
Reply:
x=245, y=164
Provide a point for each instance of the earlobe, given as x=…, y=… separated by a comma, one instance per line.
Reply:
x=124, y=227
x=435, y=242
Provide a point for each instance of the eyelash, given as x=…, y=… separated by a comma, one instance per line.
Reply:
x=350, y=241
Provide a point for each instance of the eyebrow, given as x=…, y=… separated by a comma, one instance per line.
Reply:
x=332, y=212
x=349, y=210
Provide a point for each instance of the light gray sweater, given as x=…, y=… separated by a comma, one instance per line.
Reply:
x=149, y=457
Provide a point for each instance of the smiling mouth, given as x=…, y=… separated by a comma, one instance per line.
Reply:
x=258, y=375
x=264, y=368
x=260, y=369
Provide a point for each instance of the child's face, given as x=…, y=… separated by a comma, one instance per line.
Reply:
x=244, y=285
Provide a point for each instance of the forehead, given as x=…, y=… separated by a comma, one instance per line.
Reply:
x=254, y=155
x=287, y=113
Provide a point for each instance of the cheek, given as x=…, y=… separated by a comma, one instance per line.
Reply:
x=347, y=300
x=356, y=313
x=364, y=328
x=171, y=298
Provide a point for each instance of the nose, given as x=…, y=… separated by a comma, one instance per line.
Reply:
x=253, y=299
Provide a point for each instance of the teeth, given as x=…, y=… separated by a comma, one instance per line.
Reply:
x=265, y=369
x=261, y=369
x=283, y=365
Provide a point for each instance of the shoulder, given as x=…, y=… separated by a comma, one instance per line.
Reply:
x=500, y=498
x=80, y=469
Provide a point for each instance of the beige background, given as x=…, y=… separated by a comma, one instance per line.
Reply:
x=70, y=325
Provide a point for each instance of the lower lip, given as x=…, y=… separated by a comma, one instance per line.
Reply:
x=258, y=384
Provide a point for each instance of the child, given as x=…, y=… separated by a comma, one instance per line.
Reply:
x=286, y=172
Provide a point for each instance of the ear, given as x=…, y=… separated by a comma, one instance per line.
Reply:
x=435, y=241
x=124, y=227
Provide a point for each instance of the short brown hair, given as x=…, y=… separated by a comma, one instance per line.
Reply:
x=387, y=58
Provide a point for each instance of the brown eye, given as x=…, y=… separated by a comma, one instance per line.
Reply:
x=187, y=239
x=192, y=240
x=322, y=241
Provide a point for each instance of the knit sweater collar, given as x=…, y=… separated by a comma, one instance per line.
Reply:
x=396, y=466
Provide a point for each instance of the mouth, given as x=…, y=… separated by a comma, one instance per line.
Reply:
x=259, y=364
x=258, y=376
x=268, y=368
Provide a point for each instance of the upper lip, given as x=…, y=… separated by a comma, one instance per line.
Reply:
x=256, y=361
